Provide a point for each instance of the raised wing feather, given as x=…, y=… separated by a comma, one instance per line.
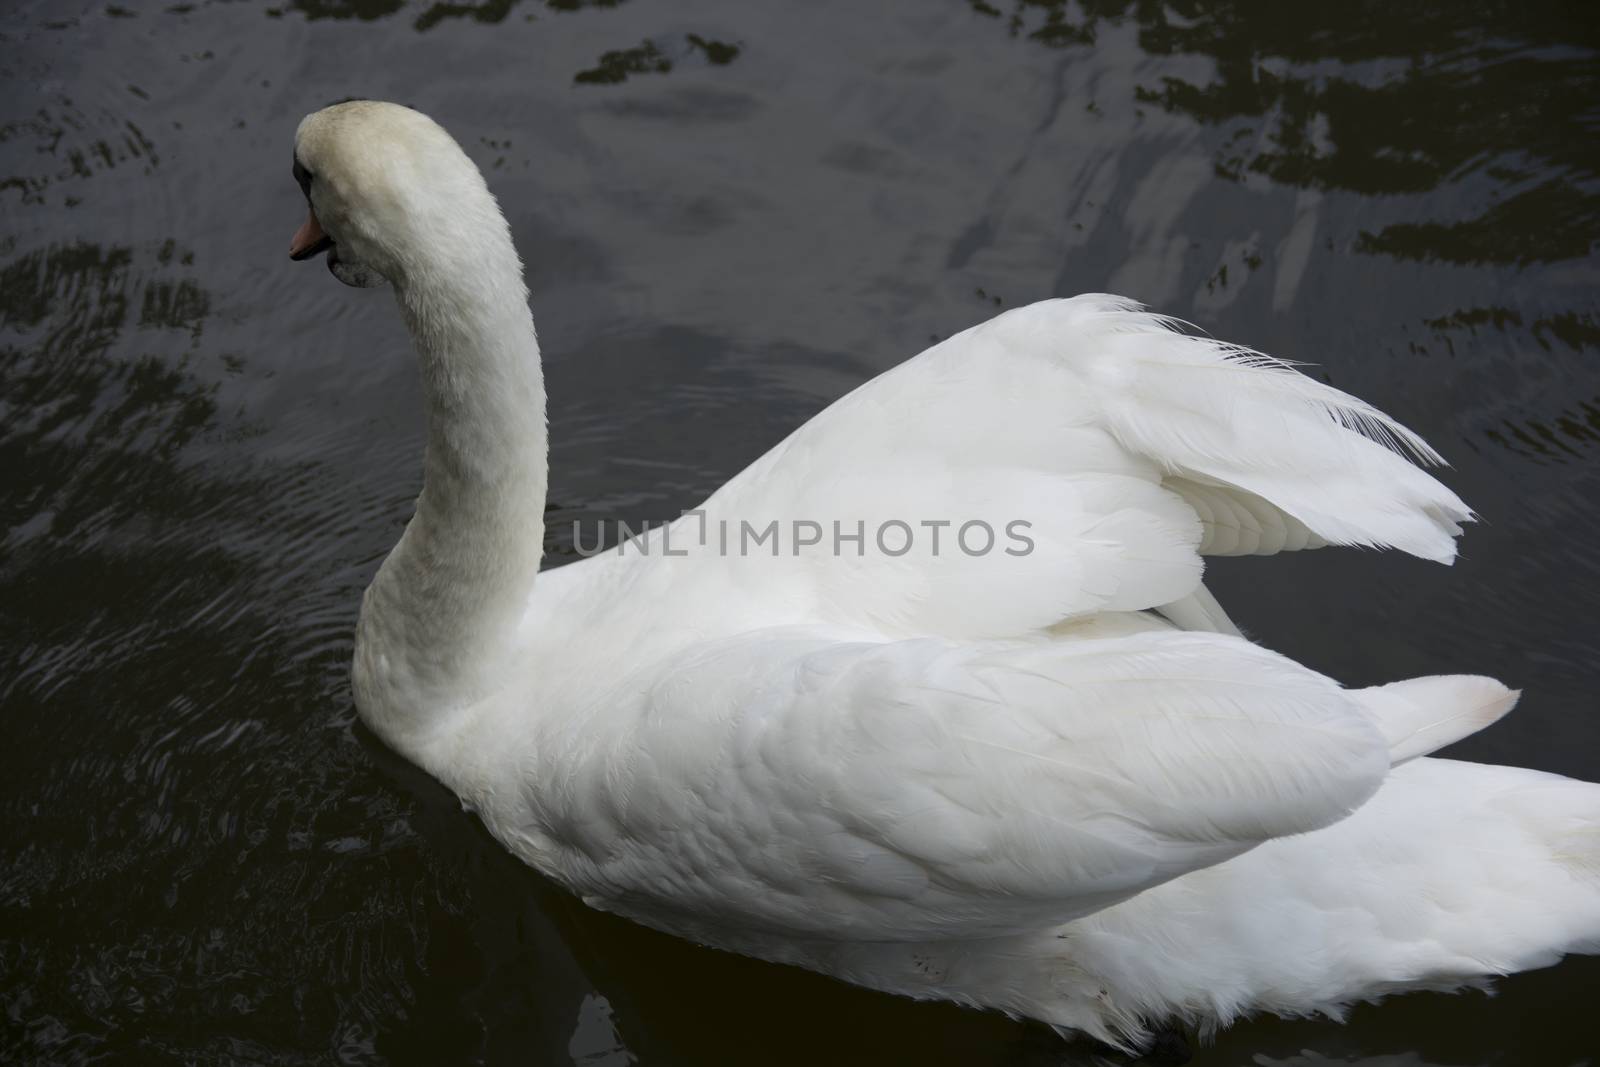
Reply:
x=1126, y=449
x=1300, y=463
x=794, y=781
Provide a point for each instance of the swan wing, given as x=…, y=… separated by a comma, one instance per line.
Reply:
x=823, y=785
x=1101, y=454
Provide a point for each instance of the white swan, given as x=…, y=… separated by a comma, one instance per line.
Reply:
x=992, y=777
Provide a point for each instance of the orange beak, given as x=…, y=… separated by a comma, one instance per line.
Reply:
x=309, y=239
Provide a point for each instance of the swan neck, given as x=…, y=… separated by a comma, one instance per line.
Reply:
x=487, y=447
x=440, y=621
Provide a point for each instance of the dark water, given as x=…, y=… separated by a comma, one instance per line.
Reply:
x=732, y=212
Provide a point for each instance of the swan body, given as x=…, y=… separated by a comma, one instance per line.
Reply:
x=1049, y=778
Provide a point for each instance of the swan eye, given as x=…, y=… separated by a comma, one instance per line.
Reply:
x=303, y=177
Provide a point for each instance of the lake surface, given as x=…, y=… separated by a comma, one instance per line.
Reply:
x=732, y=212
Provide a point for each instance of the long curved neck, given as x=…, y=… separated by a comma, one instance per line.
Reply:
x=442, y=614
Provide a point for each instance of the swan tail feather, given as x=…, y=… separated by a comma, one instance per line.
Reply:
x=1423, y=715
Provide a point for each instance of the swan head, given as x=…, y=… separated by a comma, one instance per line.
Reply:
x=389, y=194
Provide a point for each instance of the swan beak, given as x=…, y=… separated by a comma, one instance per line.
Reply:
x=309, y=239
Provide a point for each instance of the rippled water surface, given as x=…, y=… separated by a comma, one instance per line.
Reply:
x=732, y=212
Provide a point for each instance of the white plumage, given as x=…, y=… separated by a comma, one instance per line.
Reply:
x=997, y=777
